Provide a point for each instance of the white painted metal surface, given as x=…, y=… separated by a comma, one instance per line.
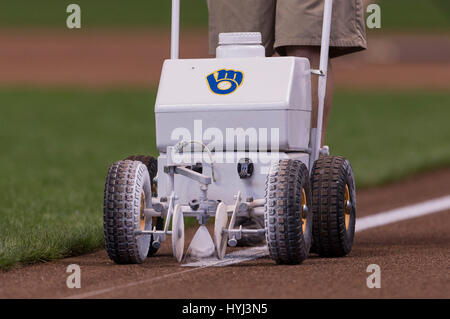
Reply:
x=228, y=181
x=324, y=57
x=178, y=233
x=268, y=84
x=275, y=93
x=220, y=223
x=175, y=36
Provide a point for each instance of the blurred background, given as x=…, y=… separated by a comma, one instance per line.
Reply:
x=72, y=101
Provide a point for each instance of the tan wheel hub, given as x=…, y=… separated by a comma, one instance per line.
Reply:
x=347, y=207
x=304, y=210
x=142, y=215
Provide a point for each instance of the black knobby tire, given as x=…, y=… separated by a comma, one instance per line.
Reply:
x=127, y=191
x=149, y=161
x=334, y=218
x=287, y=241
x=152, y=166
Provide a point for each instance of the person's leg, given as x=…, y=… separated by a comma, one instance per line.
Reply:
x=242, y=16
x=313, y=54
x=298, y=32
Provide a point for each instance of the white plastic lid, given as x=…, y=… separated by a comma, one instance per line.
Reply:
x=240, y=38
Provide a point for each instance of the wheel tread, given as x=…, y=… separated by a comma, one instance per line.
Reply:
x=120, y=212
x=152, y=167
x=282, y=214
x=330, y=175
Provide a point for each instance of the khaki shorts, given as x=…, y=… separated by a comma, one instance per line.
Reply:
x=290, y=22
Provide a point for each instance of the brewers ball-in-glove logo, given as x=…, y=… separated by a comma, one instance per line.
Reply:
x=225, y=81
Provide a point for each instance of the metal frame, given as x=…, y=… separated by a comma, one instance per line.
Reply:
x=323, y=71
x=206, y=207
x=175, y=30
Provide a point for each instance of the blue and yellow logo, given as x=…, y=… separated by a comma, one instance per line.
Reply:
x=225, y=81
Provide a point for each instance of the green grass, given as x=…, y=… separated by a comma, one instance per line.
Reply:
x=101, y=13
x=390, y=135
x=56, y=147
x=415, y=15
x=429, y=15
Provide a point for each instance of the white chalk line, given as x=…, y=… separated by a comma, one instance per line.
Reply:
x=128, y=285
x=395, y=215
x=234, y=257
x=392, y=216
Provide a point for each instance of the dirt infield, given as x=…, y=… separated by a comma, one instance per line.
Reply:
x=412, y=254
x=134, y=58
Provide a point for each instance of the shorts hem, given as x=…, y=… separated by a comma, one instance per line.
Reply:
x=337, y=47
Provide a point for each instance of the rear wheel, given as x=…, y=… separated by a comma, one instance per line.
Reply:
x=127, y=194
x=334, y=206
x=288, y=218
x=152, y=167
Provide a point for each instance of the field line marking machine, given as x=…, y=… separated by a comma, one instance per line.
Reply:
x=236, y=143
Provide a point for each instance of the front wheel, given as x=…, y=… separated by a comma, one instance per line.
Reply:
x=334, y=206
x=127, y=193
x=288, y=217
x=152, y=167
